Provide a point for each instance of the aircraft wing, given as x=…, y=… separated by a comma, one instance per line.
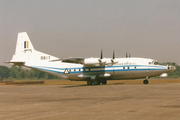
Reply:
x=84, y=61
x=73, y=60
x=69, y=60
x=87, y=61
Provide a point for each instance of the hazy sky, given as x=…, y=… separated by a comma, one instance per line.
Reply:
x=81, y=28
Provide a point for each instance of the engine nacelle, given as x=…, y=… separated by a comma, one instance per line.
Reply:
x=90, y=61
x=98, y=61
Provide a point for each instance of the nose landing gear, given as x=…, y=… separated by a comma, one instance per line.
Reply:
x=145, y=82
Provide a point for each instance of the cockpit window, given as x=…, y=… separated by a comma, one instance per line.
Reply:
x=155, y=63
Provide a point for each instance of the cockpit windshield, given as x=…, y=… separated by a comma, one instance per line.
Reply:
x=154, y=63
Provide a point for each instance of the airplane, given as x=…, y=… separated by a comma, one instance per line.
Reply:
x=93, y=70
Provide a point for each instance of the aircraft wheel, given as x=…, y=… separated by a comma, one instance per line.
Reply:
x=145, y=81
x=104, y=82
x=89, y=82
x=96, y=82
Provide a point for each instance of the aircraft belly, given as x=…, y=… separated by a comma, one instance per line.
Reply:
x=157, y=72
x=120, y=75
x=74, y=77
x=135, y=74
x=128, y=75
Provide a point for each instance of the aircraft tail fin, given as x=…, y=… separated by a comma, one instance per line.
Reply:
x=25, y=51
x=23, y=44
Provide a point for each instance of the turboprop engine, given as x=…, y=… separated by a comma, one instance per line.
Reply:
x=99, y=61
x=96, y=61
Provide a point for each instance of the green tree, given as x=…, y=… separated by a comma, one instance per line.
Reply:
x=14, y=72
x=4, y=72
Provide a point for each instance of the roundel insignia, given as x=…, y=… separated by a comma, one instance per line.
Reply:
x=66, y=71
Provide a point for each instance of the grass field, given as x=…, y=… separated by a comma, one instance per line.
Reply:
x=68, y=82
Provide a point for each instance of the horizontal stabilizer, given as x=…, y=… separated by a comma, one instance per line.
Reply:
x=16, y=63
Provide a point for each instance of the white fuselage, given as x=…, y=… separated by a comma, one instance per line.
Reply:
x=124, y=68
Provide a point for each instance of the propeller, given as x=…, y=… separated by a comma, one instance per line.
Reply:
x=104, y=62
x=101, y=54
x=113, y=55
x=101, y=57
x=112, y=60
x=126, y=55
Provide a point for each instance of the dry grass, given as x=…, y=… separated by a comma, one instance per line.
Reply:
x=29, y=82
x=21, y=82
x=63, y=82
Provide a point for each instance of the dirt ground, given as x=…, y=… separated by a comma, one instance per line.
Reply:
x=118, y=100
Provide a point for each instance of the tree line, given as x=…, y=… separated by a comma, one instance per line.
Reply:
x=18, y=73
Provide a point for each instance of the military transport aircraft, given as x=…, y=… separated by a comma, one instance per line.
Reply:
x=92, y=70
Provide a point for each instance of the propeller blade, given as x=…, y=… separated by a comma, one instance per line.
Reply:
x=101, y=54
x=113, y=55
x=126, y=55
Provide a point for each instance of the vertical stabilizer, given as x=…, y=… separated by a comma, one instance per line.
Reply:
x=25, y=51
x=23, y=44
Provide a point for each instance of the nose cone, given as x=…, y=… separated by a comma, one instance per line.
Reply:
x=171, y=68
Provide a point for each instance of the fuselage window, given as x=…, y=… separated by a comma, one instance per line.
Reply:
x=69, y=70
x=123, y=67
x=74, y=69
x=84, y=69
x=135, y=67
x=89, y=69
x=79, y=69
x=128, y=67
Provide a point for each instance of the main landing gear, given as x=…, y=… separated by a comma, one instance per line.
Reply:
x=96, y=82
x=89, y=82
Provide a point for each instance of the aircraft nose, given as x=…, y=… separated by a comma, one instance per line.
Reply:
x=172, y=68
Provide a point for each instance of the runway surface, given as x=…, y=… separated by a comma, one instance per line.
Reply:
x=67, y=102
